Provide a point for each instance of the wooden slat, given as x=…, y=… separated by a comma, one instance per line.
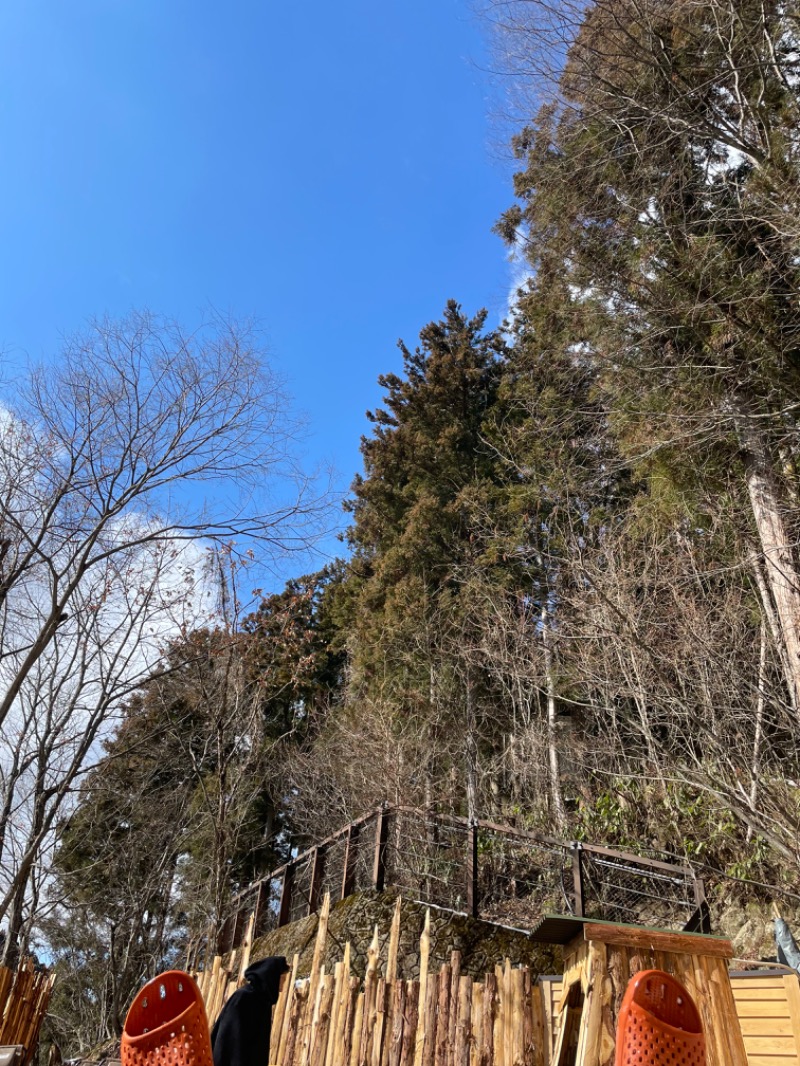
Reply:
x=370, y=992
x=442, y=1016
x=455, y=978
x=758, y=982
x=430, y=1023
x=766, y=1027
x=498, y=1034
x=677, y=943
x=394, y=943
x=322, y=1021
x=424, y=957
x=278, y=1017
x=287, y=1018
x=477, y=1023
x=775, y=1045
x=398, y=992
x=358, y=1025
x=380, y=1023
x=750, y=1009
x=463, y=1022
x=791, y=986
x=489, y=1009
x=766, y=995
x=411, y=1023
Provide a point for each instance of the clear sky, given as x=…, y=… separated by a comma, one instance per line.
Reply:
x=322, y=166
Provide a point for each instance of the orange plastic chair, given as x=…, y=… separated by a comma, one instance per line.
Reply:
x=167, y=1024
x=659, y=1024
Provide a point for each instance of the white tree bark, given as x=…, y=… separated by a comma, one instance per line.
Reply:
x=780, y=568
x=553, y=755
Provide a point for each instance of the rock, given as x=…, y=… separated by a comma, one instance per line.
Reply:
x=481, y=944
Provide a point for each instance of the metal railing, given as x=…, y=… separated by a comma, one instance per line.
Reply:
x=489, y=871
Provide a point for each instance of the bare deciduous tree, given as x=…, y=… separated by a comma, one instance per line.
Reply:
x=121, y=461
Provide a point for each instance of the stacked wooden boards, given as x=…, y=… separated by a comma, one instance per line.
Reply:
x=768, y=1007
x=24, y=998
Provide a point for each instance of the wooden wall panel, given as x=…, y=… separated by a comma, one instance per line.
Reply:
x=768, y=1008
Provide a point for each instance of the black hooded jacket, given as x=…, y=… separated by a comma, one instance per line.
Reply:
x=241, y=1034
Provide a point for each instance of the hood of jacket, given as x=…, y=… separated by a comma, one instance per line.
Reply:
x=265, y=975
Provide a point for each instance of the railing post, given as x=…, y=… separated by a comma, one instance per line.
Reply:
x=238, y=926
x=225, y=936
x=472, y=869
x=285, y=910
x=258, y=910
x=379, y=859
x=317, y=866
x=350, y=853
x=700, y=921
x=577, y=880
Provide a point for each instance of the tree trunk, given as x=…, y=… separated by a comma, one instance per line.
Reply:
x=755, y=763
x=766, y=500
x=553, y=755
x=771, y=617
x=471, y=753
x=12, y=948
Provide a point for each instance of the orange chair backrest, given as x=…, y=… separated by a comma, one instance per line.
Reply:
x=659, y=1024
x=167, y=1024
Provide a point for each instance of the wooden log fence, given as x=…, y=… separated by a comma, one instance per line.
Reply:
x=477, y=867
x=24, y=998
x=444, y=1019
x=510, y=1018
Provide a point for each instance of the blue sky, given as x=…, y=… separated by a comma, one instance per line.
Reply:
x=324, y=167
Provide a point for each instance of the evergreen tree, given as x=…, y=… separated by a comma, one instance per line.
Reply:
x=658, y=181
x=421, y=518
x=563, y=484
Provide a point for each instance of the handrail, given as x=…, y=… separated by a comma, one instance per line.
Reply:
x=578, y=889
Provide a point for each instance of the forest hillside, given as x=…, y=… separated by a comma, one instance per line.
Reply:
x=569, y=593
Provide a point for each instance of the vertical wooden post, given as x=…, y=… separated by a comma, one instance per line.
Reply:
x=317, y=866
x=472, y=869
x=379, y=860
x=237, y=927
x=285, y=911
x=225, y=936
x=700, y=921
x=577, y=879
x=350, y=854
x=258, y=909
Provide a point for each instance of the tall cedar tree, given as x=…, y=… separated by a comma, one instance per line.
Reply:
x=420, y=513
x=563, y=485
x=662, y=180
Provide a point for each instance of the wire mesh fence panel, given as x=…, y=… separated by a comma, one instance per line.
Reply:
x=619, y=890
x=519, y=879
x=300, y=901
x=426, y=859
x=333, y=868
x=363, y=844
x=269, y=906
x=498, y=873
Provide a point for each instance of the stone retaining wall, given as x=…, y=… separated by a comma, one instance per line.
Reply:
x=481, y=944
